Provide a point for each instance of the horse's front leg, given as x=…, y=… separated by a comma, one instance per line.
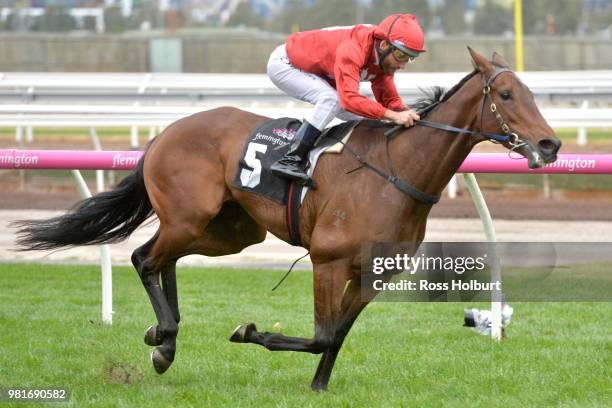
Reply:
x=329, y=280
x=353, y=302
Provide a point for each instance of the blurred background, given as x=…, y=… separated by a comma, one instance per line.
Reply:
x=238, y=35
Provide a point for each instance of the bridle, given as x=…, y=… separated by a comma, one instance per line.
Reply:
x=509, y=137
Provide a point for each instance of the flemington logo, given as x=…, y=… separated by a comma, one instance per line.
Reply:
x=572, y=164
x=119, y=160
x=279, y=140
x=18, y=160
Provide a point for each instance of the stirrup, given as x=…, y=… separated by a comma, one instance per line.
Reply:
x=290, y=170
x=306, y=182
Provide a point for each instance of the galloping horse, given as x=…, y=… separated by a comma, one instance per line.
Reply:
x=186, y=174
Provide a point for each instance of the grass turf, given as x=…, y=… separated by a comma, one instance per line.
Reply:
x=398, y=354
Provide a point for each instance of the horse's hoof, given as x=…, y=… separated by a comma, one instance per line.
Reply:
x=152, y=336
x=241, y=332
x=160, y=362
x=318, y=387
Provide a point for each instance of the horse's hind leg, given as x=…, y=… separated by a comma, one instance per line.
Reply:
x=153, y=335
x=158, y=258
x=149, y=268
x=228, y=231
x=168, y=275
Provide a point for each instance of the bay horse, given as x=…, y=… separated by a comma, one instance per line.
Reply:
x=185, y=179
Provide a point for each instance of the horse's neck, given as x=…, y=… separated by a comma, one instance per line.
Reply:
x=431, y=156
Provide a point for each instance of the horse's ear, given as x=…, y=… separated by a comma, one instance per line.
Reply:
x=480, y=63
x=499, y=61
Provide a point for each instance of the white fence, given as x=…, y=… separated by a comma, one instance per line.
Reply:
x=155, y=118
x=195, y=88
x=67, y=99
x=112, y=116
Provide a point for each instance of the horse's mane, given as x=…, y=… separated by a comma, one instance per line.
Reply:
x=437, y=94
x=434, y=96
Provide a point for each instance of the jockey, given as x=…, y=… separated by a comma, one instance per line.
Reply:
x=324, y=67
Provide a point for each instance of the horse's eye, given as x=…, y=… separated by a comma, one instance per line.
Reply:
x=505, y=95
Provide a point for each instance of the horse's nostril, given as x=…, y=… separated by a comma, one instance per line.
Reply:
x=549, y=146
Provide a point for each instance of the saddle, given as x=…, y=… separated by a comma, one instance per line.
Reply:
x=267, y=144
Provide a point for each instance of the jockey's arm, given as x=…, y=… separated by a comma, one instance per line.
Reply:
x=386, y=93
x=349, y=60
x=346, y=73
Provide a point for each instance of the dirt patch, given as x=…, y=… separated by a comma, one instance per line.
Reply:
x=528, y=207
x=38, y=200
x=122, y=373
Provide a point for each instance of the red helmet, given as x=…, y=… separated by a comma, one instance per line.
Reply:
x=403, y=31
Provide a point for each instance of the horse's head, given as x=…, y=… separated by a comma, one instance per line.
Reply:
x=508, y=105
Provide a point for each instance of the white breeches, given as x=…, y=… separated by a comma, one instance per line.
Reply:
x=307, y=87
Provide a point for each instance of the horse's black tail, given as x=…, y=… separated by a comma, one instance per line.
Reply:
x=107, y=217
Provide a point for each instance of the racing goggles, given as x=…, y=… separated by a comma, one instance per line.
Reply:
x=401, y=56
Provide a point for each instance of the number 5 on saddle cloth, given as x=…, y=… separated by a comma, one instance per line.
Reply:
x=267, y=144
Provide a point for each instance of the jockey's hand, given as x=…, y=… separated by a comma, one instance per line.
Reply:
x=405, y=118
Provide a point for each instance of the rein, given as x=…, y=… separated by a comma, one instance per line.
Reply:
x=396, y=181
x=496, y=138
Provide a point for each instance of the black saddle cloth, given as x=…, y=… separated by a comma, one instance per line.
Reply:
x=267, y=144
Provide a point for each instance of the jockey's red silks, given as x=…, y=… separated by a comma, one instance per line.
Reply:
x=344, y=56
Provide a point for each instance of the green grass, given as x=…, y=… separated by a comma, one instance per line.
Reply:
x=47, y=133
x=398, y=354
x=594, y=136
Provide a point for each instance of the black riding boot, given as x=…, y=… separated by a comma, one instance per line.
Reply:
x=290, y=165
